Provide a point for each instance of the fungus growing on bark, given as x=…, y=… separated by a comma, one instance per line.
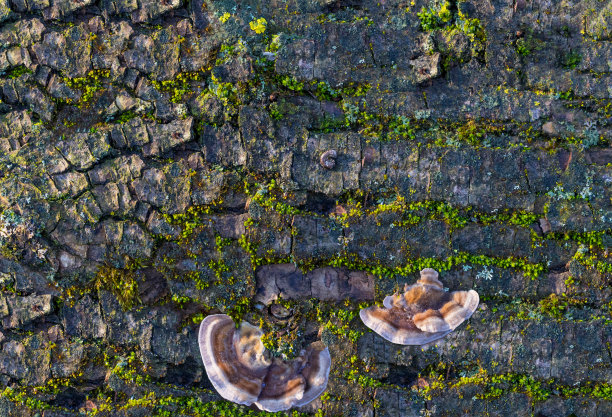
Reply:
x=234, y=359
x=239, y=368
x=315, y=371
x=282, y=387
x=328, y=159
x=422, y=314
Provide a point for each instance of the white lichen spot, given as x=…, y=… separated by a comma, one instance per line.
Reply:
x=486, y=274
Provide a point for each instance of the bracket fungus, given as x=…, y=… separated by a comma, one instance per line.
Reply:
x=422, y=314
x=241, y=371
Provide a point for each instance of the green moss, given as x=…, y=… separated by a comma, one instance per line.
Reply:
x=416, y=264
x=592, y=260
x=328, y=125
x=268, y=196
x=275, y=43
x=193, y=218
x=472, y=28
x=561, y=308
x=128, y=368
x=334, y=18
x=339, y=321
x=435, y=17
x=121, y=282
x=456, y=217
x=556, y=306
x=495, y=386
x=227, y=51
x=571, y=59
x=378, y=126
x=275, y=111
x=125, y=117
x=323, y=91
x=259, y=25
x=355, y=376
x=89, y=85
x=292, y=84
x=226, y=92
x=522, y=47
x=566, y=95
x=24, y=398
x=471, y=133
x=15, y=72
x=180, y=86
x=592, y=240
x=241, y=307
x=224, y=17
x=528, y=43
x=168, y=406
x=446, y=17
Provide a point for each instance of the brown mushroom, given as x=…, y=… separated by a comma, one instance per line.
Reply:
x=422, y=314
x=237, y=364
x=234, y=359
x=282, y=386
x=315, y=371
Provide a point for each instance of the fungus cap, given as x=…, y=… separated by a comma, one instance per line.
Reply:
x=315, y=371
x=234, y=359
x=282, y=386
x=237, y=364
x=422, y=314
x=429, y=276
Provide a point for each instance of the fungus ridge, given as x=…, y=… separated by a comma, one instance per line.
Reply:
x=238, y=366
x=422, y=314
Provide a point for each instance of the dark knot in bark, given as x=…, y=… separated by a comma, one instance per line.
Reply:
x=328, y=159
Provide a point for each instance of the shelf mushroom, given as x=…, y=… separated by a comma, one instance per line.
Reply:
x=282, y=386
x=239, y=368
x=422, y=314
x=234, y=359
x=315, y=371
